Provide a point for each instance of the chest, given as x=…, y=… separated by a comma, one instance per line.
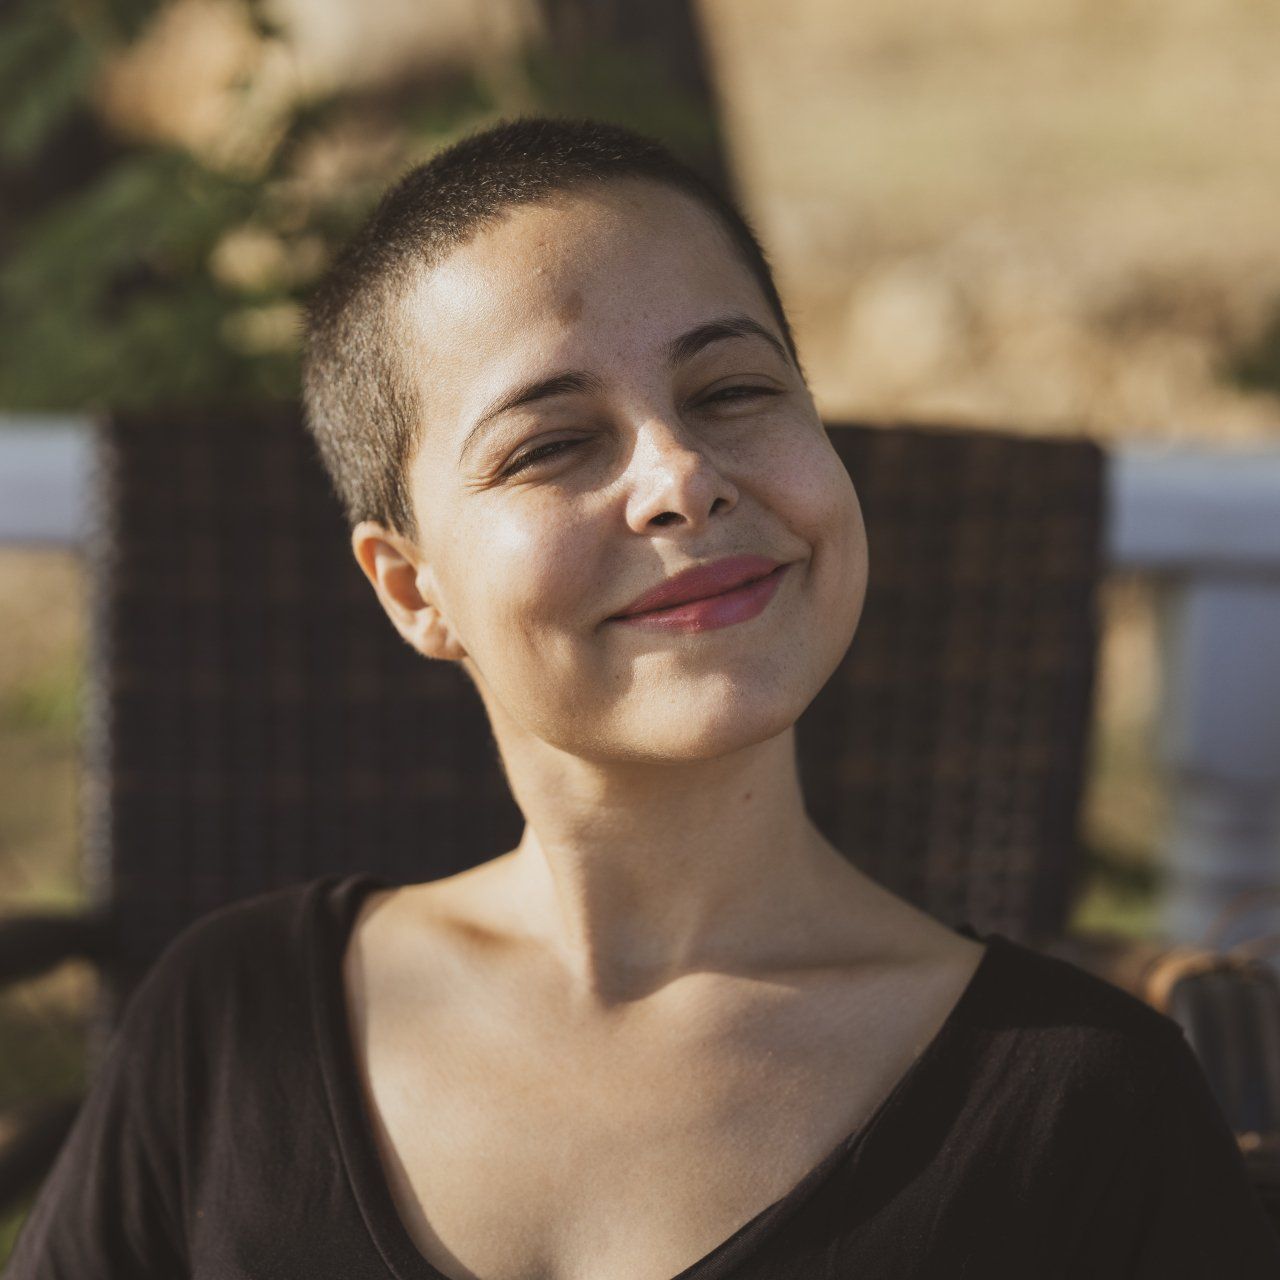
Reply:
x=523, y=1148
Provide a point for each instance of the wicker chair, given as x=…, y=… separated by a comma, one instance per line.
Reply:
x=254, y=721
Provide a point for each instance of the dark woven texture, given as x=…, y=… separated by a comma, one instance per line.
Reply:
x=254, y=720
x=946, y=755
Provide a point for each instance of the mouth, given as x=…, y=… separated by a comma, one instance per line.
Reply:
x=712, y=595
x=701, y=582
x=737, y=604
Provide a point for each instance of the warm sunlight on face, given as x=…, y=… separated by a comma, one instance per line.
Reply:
x=608, y=401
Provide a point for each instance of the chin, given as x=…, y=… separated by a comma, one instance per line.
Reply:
x=715, y=724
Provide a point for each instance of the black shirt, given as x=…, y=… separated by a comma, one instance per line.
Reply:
x=1055, y=1126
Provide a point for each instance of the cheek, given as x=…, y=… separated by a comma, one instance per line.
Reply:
x=810, y=487
x=821, y=507
x=529, y=572
x=837, y=511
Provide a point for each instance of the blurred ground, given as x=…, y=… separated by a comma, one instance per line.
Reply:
x=1057, y=215
x=42, y=620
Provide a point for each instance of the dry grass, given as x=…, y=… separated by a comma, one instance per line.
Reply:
x=1124, y=815
x=1056, y=216
x=43, y=621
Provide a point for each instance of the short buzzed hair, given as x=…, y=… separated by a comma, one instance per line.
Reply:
x=361, y=406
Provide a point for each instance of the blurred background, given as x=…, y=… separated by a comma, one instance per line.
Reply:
x=1050, y=218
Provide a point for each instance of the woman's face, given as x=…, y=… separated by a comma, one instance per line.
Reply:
x=541, y=521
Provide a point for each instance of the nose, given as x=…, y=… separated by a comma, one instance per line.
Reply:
x=675, y=481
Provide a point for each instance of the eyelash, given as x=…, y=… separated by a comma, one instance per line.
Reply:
x=552, y=447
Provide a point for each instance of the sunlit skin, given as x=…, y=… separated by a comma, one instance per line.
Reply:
x=666, y=835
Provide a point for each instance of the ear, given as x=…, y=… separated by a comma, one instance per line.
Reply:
x=405, y=586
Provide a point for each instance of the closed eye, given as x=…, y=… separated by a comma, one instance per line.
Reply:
x=741, y=393
x=537, y=454
x=552, y=447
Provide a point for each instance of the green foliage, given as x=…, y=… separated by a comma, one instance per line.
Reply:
x=1257, y=366
x=49, y=700
x=111, y=293
x=1119, y=892
x=624, y=86
x=110, y=296
x=114, y=289
x=44, y=77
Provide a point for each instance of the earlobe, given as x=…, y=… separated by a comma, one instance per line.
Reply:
x=435, y=635
x=406, y=591
x=435, y=638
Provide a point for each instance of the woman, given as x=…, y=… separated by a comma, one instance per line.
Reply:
x=674, y=1032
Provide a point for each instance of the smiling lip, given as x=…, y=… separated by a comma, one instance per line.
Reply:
x=701, y=581
x=736, y=582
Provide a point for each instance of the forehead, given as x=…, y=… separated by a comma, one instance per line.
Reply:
x=592, y=236
x=601, y=277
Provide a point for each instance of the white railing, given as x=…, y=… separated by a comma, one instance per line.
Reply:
x=45, y=464
x=1203, y=524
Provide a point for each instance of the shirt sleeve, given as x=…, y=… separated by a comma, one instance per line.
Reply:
x=1179, y=1202
x=110, y=1206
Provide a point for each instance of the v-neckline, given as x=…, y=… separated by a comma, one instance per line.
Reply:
x=332, y=917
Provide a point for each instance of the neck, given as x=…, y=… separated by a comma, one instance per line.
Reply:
x=636, y=876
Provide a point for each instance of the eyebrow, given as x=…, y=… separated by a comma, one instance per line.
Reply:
x=678, y=351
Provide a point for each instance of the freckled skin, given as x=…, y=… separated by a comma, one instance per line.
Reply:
x=571, y=308
x=665, y=823
x=674, y=970
x=525, y=571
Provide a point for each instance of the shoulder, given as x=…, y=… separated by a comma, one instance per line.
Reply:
x=1078, y=1038
x=1130, y=1121
x=272, y=919
x=238, y=957
x=1051, y=1073
x=1033, y=977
